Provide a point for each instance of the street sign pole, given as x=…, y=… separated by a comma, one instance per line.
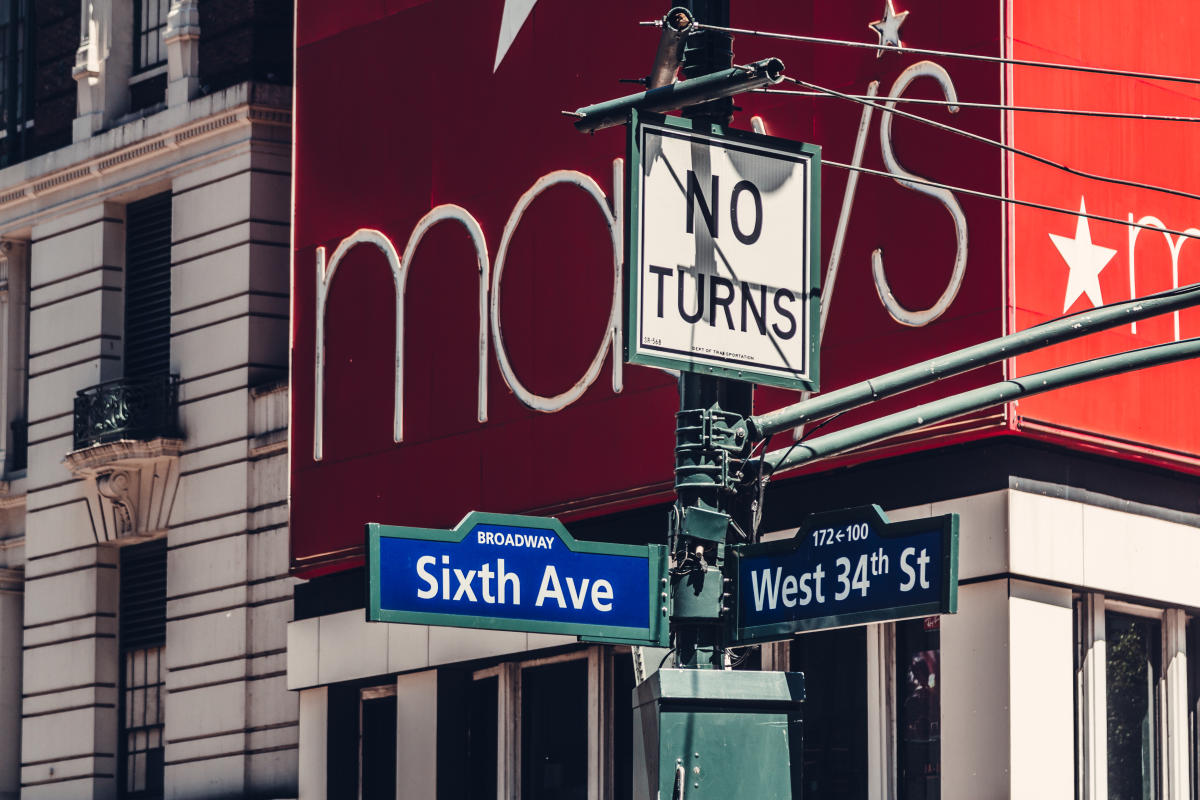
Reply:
x=711, y=414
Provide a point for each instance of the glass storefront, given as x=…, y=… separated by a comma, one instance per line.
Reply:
x=918, y=709
x=1132, y=672
x=834, y=664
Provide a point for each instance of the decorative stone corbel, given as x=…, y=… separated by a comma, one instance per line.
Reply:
x=182, y=38
x=130, y=485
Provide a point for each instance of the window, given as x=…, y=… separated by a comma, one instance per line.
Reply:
x=1132, y=674
x=148, y=287
x=1193, y=703
x=16, y=61
x=481, y=736
x=150, y=19
x=377, y=743
x=918, y=709
x=148, y=85
x=142, y=626
x=14, y=355
x=554, y=731
x=1135, y=693
x=622, y=726
x=553, y=728
x=834, y=664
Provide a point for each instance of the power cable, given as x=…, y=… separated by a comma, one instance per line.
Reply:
x=1013, y=200
x=1020, y=62
x=994, y=143
x=995, y=106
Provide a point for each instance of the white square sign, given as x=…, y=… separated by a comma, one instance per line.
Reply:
x=723, y=246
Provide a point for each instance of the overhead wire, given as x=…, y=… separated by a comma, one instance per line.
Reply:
x=1020, y=62
x=994, y=106
x=993, y=142
x=1013, y=200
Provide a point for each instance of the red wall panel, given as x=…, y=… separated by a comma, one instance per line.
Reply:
x=399, y=110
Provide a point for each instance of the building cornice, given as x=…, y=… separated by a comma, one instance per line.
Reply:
x=42, y=182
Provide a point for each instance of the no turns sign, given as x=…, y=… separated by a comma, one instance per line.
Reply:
x=723, y=252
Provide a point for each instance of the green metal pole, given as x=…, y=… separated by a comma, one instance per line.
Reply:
x=979, y=399
x=710, y=428
x=1048, y=333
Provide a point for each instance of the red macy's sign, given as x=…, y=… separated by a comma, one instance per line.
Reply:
x=457, y=282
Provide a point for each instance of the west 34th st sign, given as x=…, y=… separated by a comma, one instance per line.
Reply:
x=846, y=567
x=517, y=573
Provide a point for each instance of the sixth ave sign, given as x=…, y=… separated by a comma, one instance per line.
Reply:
x=723, y=247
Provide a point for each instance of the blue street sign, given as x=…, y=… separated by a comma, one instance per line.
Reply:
x=843, y=568
x=517, y=573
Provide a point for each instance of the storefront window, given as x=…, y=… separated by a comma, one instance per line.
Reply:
x=622, y=726
x=834, y=664
x=1193, y=702
x=1132, y=671
x=377, y=743
x=554, y=731
x=481, y=736
x=918, y=709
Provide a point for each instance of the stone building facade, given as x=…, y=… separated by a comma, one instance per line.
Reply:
x=144, y=229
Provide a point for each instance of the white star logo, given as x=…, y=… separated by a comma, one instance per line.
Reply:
x=1084, y=260
x=514, y=16
x=888, y=28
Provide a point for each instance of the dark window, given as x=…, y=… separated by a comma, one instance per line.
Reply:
x=918, y=711
x=143, y=634
x=1133, y=647
x=481, y=737
x=148, y=287
x=19, y=440
x=150, y=19
x=554, y=733
x=622, y=717
x=341, y=741
x=377, y=744
x=148, y=86
x=14, y=353
x=16, y=61
x=1193, y=701
x=834, y=664
x=1078, y=655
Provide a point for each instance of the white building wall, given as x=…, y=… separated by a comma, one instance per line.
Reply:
x=69, y=735
x=231, y=724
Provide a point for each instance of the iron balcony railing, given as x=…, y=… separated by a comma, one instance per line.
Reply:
x=127, y=408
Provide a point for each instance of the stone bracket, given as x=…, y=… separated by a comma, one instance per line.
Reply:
x=130, y=485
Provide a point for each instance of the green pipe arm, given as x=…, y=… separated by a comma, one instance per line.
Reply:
x=977, y=400
x=1062, y=329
